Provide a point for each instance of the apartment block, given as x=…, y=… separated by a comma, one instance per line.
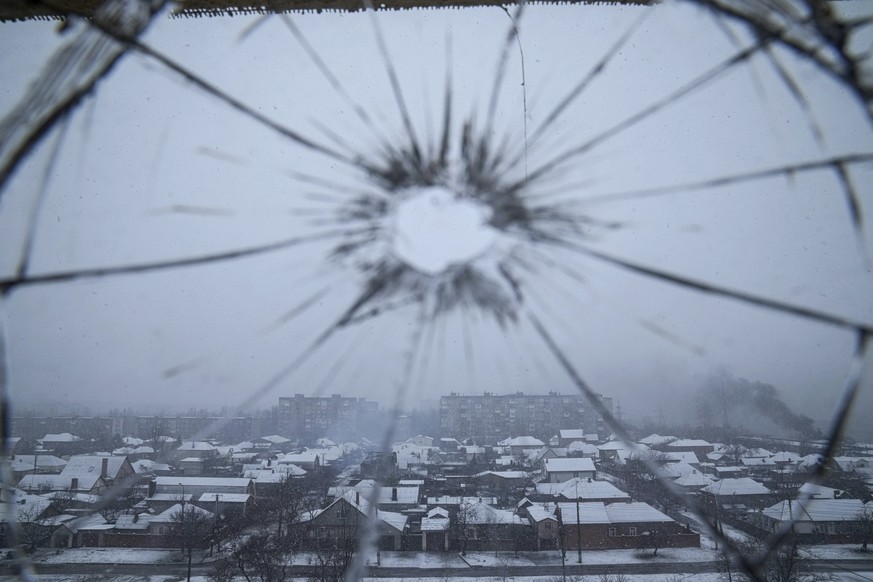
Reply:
x=490, y=417
x=338, y=416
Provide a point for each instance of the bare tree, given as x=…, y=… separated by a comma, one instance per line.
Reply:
x=459, y=525
x=258, y=558
x=864, y=525
x=35, y=527
x=191, y=526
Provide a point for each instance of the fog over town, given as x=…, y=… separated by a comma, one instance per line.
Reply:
x=331, y=256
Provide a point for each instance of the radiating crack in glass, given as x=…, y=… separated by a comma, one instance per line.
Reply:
x=445, y=226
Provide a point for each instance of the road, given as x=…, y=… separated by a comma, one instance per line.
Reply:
x=474, y=571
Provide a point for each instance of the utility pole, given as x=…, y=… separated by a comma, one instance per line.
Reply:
x=578, y=527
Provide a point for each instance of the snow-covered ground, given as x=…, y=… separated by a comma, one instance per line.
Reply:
x=449, y=560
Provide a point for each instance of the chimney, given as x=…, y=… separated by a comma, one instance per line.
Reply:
x=394, y=494
x=104, y=468
x=74, y=483
x=357, y=498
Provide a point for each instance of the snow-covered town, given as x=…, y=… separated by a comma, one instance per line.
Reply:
x=578, y=502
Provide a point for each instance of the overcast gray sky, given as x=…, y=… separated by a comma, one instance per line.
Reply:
x=150, y=169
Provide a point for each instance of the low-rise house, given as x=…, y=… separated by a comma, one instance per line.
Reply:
x=307, y=460
x=693, y=482
x=818, y=520
x=519, y=446
x=435, y=530
x=35, y=514
x=421, y=441
x=621, y=525
x=560, y=470
x=569, y=435
x=583, y=449
x=111, y=469
x=165, y=525
x=93, y=484
x=479, y=526
x=738, y=495
x=62, y=444
x=22, y=465
x=617, y=452
x=228, y=505
x=549, y=453
x=546, y=526
x=581, y=489
x=687, y=457
x=340, y=523
x=699, y=447
x=502, y=480
x=195, y=449
x=394, y=498
x=453, y=502
x=166, y=491
x=658, y=441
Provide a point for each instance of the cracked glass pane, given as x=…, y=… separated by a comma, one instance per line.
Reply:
x=630, y=201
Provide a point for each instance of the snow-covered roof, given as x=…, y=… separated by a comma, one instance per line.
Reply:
x=820, y=510
x=586, y=512
x=522, y=441
x=437, y=520
x=811, y=460
x=739, y=486
x=684, y=456
x=137, y=522
x=404, y=495
x=676, y=470
x=195, y=446
x=89, y=523
x=539, y=513
x=264, y=476
x=572, y=433
x=63, y=437
x=276, y=439
x=80, y=465
x=393, y=519
x=176, y=481
x=785, y=457
x=690, y=443
x=27, y=507
x=757, y=462
x=58, y=482
x=455, y=500
x=45, y=462
x=596, y=512
x=164, y=497
x=483, y=513
x=656, y=439
x=503, y=474
x=306, y=457
x=132, y=441
x=211, y=497
x=582, y=447
x=820, y=491
x=578, y=488
x=172, y=515
x=634, y=512
x=616, y=446
x=569, y=465
x=693, y=479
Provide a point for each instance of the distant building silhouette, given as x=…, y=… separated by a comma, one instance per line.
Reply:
x=308, y=418
x=490, y=417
